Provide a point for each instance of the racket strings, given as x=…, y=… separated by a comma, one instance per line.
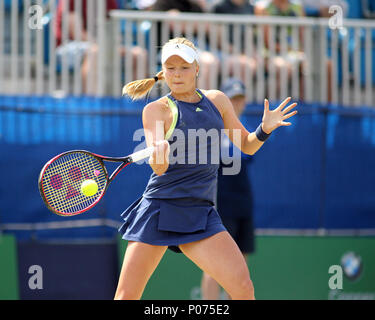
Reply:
x=69, y=199
x=62, y=180
x=74, y=199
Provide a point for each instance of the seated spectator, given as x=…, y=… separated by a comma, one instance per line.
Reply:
x=181, y=5
x=240, y=61
x=291, y=58
x=234, y=7
x=321, y=8
x=143, y=4
x=207, y=61
x=84, y=49
x=368, y=7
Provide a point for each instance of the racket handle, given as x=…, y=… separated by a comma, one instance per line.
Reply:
x=140, y=155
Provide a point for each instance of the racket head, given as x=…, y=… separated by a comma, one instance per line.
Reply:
x=61, y=178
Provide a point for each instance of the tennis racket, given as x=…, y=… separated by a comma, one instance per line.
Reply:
x=61, y=179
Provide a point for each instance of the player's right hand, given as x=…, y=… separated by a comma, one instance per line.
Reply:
x=159, y=159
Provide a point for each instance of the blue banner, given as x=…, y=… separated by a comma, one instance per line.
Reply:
x=317, y=173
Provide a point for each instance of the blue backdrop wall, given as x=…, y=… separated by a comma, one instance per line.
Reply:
x=317, y=173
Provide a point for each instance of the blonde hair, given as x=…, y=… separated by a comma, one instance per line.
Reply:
x=139, y=88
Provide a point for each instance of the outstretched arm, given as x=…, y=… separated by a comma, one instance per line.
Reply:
x=246, y=141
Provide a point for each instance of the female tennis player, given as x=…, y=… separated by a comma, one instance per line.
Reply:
x=176, y=209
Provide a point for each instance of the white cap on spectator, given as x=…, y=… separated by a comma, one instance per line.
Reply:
x=178, y=49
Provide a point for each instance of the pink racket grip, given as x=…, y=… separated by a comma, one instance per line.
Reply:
x=142, y=154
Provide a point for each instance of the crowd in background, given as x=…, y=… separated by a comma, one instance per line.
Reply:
x=315, y=8
x=86, y=48
x=210, y=63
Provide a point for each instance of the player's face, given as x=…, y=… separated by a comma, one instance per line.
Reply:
x=180, y=75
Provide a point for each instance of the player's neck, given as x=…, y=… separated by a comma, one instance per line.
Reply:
x=190, y=97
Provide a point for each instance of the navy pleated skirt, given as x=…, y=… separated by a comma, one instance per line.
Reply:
x=170, y=222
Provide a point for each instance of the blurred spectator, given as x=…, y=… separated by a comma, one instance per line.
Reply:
x=233, y=189
x=234, y=7
x=207, y=61
x=285, y=8
x=204, y=4
x=84, y=49
x=233, y=61
x=292, y=58
x=143, y=4
x=180, y=5
x=368, y=7
x=75, y=48
x=321, y=8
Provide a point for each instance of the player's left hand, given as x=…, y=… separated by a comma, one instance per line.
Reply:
x=272, y=119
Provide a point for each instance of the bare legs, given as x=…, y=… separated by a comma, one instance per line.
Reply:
x=140, y=261
x=210, y=288
x=218, y=256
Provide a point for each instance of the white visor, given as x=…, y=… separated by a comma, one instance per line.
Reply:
x=178, y=49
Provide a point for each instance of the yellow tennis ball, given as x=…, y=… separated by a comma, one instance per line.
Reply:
x=89, y=187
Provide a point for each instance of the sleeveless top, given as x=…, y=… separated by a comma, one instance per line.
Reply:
x=194, y=159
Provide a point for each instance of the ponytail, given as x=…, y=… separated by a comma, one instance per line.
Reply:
x=139, y=88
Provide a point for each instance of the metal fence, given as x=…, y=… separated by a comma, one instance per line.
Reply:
x=275, y=56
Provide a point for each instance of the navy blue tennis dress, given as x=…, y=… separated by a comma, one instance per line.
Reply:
x=178, y=206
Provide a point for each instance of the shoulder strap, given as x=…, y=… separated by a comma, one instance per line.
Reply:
x=174, y=109
x=199, y=93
